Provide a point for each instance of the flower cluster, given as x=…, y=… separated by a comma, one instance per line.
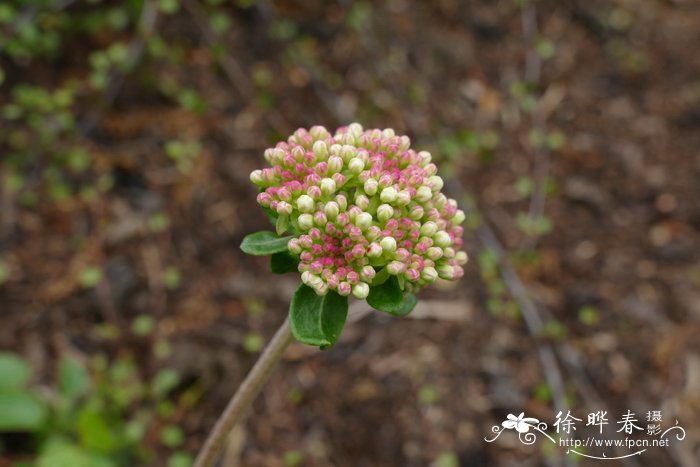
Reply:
x=364, y=203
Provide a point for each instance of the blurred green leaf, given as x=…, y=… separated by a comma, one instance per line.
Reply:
x=143, y=325
x=21, y=411
x=172, y=436
x=94, y=431
x=165, y=381
x=90, y=276
x=14, y=371
x=283, y=262
x=73, y=378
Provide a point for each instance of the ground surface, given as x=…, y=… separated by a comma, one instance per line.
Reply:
x=624, y=89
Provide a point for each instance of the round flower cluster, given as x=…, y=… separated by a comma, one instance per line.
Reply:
x=364, y=203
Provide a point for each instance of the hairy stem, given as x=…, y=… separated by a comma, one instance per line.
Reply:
x=245, y=395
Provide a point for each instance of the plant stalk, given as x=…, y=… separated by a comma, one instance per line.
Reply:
x=244, y=396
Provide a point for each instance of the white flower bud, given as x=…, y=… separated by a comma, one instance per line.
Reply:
x=434, y=253
x=348, y=151
x=388, y=195
x=446, y=271
x=320, y=150
x=416, y=213
x=305, y=203
x=363, y=220
x=436, y=183
x=425, y=157
x=395, y=267
x=356, y=165
x=331, y=209
x=388, y=244
x=458, y=218
x=388, y=133
x=355, y=129
x=385, y=212
x=403, y=198
x=429, y=274
x=429, y=229
x=442, y=239
x=335, y=164
x=461, y=257
x=374, y=250
x=327, y=186
x=360, y=290
x=424, y=194
x=371, y=186
x=362, y=201
x=305, y=221
x=342, y=202
x=256, y=177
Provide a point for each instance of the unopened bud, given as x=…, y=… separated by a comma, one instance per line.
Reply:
x=305, y=203
x=442, y=239
x=424, y=194
x=363, y=220
x=306, y=221
x=385, y=212
x=371, y=186
x=360, y=290
x=388, y=244
x=388, y=195
x=429, y=274
x=335, y=164
x=327, y=186
x=395, y=267
x=320, y=150
x=356, y=165
x=403, y=198
x=429, y=229
x=331, y=209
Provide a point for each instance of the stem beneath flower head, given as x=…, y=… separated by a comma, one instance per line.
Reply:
x=245, y=395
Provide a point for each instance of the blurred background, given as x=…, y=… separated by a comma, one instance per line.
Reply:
x=568, y=130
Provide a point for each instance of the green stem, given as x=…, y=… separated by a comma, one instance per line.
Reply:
x=245, y=395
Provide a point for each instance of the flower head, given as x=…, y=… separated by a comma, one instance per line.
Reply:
x=361, y=201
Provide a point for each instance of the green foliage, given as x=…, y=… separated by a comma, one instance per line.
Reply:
x=283, y=262
x=389, y=298
x=317, y=320
x=264, y=243
x=94, y=415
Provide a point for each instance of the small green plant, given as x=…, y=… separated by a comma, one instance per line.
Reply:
x=356, y=213
x=95, y=413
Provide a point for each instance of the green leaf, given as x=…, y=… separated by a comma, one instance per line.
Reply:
x=264, y=243
x=94, y=431
x=60, y=452
x=281, y=225
x=317, y=320
x=21, y=411
x=409, y=303
x=14, y=371
x=73, y=379
x=387, y=297
x=283, y=262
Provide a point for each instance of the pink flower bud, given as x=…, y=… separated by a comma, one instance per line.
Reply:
x=367, y=273
x=374, y=250
x=344, y=288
